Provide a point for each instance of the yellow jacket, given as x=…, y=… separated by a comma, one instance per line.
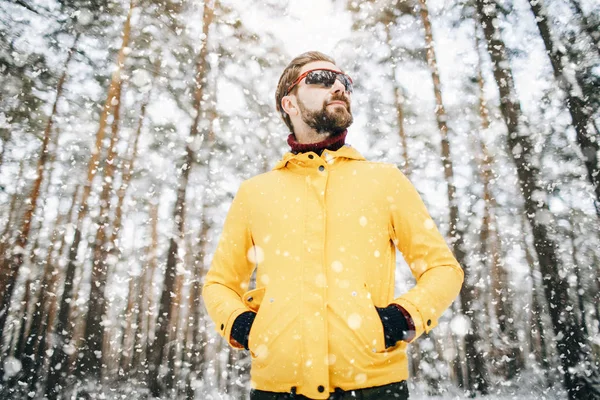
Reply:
x=321, y=233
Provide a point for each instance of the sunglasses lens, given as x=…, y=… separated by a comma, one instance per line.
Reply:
x=327, y=78
x=324, y=78
x=347, y=84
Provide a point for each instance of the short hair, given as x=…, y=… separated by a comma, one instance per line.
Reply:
x=290, y=74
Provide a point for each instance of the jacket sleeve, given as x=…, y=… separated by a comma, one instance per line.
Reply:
x=230, y=270
x=438, y=275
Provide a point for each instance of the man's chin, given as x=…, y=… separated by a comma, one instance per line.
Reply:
x=336, y=130
x=330, y=121
x=340, y=113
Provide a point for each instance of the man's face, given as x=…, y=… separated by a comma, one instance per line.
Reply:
x=324, y=109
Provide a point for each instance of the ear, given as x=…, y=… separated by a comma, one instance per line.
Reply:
x=288, y=104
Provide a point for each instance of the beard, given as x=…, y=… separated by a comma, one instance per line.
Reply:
x=333, y=120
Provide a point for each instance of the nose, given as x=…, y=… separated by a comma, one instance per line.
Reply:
x=338, y=86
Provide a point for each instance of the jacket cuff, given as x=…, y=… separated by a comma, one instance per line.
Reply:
x=415, y=316
x=410, y=332
x=224, y=327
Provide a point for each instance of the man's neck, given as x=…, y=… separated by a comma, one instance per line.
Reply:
x=311, y=136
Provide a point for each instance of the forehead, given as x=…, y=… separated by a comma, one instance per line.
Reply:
x=317, y=65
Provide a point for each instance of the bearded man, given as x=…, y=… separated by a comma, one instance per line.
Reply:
x=321, y=230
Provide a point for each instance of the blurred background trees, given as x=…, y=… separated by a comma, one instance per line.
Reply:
x=126, y=128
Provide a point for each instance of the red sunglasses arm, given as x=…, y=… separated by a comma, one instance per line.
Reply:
x=297, y=81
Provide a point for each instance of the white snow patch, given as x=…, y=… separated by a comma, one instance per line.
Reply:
x=429, y=224
x=354, y=321
x=321, y=280
x=460, y=325
x=337, y=266
x=256, y=255
x=12, y=366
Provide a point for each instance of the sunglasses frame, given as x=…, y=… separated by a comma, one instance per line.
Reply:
x=297, y=81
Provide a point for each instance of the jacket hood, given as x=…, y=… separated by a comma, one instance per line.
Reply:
x=346, y=151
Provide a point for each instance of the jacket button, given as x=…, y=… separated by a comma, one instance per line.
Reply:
x=321, y=168
x=222, y=326
x=428, y=322
x=250, y=298
x=321, y=389
x=311, y=156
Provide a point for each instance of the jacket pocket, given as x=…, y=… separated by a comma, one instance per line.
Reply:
x=357, y=322
x=374, y=326
x=253, y=299
x=275, y=315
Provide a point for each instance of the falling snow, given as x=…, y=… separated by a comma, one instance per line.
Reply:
x=126, y=129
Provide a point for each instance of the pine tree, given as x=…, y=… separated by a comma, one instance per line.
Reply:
x=575, y=99
x=55, y=382
x=571, y=344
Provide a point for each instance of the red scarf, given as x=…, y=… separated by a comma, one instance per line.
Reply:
x=331, y=143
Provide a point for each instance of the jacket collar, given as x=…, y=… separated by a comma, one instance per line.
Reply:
x=346, y=151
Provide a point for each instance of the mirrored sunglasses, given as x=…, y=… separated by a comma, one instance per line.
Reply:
x=323, y=77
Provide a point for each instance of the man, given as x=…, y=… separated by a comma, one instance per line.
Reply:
x=321, y=230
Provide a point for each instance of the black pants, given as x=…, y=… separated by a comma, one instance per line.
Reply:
x=393, y=391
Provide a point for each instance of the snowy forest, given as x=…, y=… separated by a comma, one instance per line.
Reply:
x=127, y=126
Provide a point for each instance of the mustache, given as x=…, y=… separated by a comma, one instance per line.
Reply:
x=341, y=98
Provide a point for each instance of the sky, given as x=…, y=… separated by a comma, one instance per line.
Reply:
x=307, y=25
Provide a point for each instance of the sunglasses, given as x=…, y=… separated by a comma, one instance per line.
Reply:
x=323, y=77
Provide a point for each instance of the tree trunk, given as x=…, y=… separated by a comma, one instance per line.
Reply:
x=31, y=351
x=35, y=354
x=140, y=336
x=477, y=380
x=90, y=365
x=538, y=308
x=592, y=31
x=174, y=345
x=578, y=287
x=164, y=313
x=45, y=344
x=29, y=361
x=148, y=299
x=131, y=313
x=5, y=135
x=133, y=307
x=580, y=113
x=64, y=330
x=501, y=290
x=6, y=238
x=571, y=344
x=77, y=317
x=127, y=173
x=25, y=319
x=187, y=304
x=33, y=259
x=196, y=307
x=15, y=260
x=399, y=105
x=596, y=297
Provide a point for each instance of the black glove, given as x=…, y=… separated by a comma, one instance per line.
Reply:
x=395, y=326
x=241, y=328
